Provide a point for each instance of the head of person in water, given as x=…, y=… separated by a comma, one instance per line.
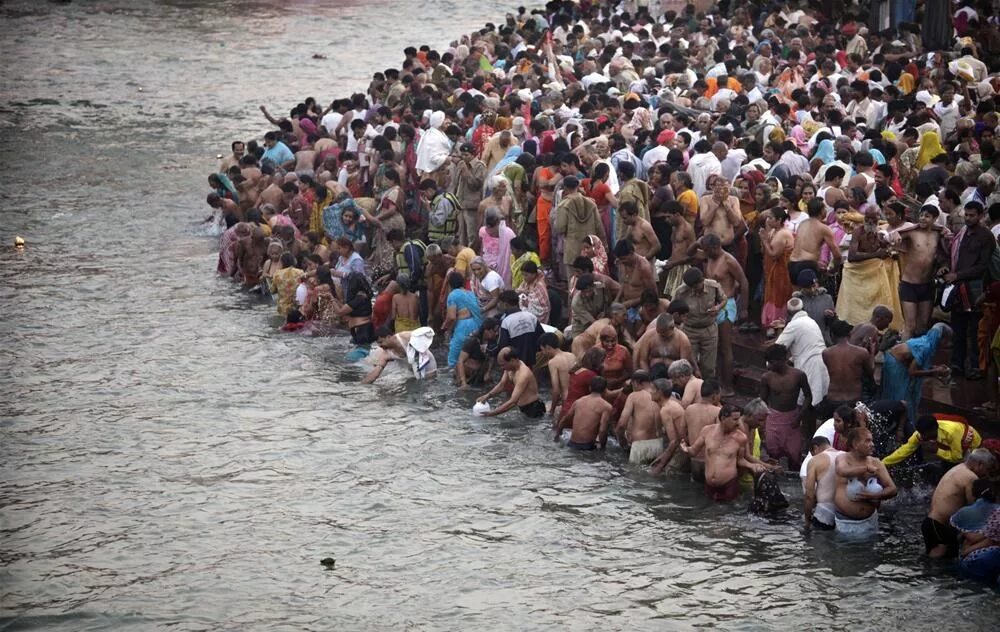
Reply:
x=982, y=462
x=845, y=418
x=859, y=442
x=508, y=359
x=755, y=413
x=385, y=336
x=680, y=372
x=548, y=345
x=927, y=428
x=818, y=444
x=490, y=329
x=509, y=302
x=729, y=418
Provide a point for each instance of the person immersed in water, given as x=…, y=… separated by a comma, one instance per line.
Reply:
x=520, y=380
x=412, y=346
x=725, y=445
x=588, y=416
x=954, y=491
x=820, y=484
x=863, y=482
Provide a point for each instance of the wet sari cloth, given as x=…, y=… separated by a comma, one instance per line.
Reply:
x=285, y=282
x=535, y=299
x=777, y=288
x=228, y=189
x=897, y=383
x=333, y=223
x=462, y=299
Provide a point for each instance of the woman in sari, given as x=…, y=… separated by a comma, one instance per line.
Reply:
x=227, y=248
x=907, y=364
x=324, y=197
x=495, y=238
x=777, y=242
x=519, y=255
x=534, y=293
x=930, y=147
x=223, y=186
x=342, y=219
x=272, y=264
x=486, y=286
x=388, y=218
x=286, y=281
x=348, y=262
x=593, y=248
x=597, y=188
x=463, y=316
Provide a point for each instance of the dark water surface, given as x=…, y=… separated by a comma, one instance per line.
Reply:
x=169, y=460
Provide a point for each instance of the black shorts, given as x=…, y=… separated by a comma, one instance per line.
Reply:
x=916, y=292
x=822, y=526
x=796, y=267
x=936, y=534
x=534, y=410
x=586, y=447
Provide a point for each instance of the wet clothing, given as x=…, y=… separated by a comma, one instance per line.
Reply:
x=585, y=447
x=936, y=534
x=723, y=493
x=534, y=410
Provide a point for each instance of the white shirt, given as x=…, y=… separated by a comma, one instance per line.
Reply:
x=700, y=168
x=826, y=430
x=331, y=120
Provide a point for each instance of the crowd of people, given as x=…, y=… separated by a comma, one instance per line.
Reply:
x=603, y=195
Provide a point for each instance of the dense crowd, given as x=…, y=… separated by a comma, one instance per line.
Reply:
x=605, y=195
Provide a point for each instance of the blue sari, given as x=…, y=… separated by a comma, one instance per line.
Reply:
x=334, y=225
x=897, y=383
x=463, y=299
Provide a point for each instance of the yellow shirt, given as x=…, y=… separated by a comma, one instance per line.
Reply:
x=954, y=440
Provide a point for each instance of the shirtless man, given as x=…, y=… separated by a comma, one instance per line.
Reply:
x=697, y=417
x=305, y=160
x=636, y=275
x=273, y=194
x=850, y=368
x=661, y=345
x=724, y=445
x=671, y=420
x=250, y=254
x=231, y=211
x=727, y=271
x=779, y=388
x=518, y=376
x=560, y=362
x=869, y=481
x=252, y=175
x=923, y=246
x=588, y=416
x=681, y=237
x=953, y=492
x=681, y=373
x=233, y=159
x=639, y=425
x=640, y=231
x=720, y=214
x=820, y=484
x=584, y=341
x=650, y=307
x=408, y=346
x=809, y=240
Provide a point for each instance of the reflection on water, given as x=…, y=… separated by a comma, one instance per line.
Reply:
x=169, y=459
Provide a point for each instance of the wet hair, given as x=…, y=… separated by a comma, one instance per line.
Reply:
x=680, y=368
x=548, y=339
x=593, y=359
x=819, y=441
x=678, y=306
x=840, y=329
x=294, y=316
x=848, y=414
x=598, y=384
x=755, y=407
x=776, y=354
x=581, y=263
x=624, y=248
x=709, y=388
x=856, y=434
x=926, y=425
x=287, y=260
x=727, y=410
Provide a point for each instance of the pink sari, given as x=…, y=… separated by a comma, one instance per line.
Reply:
x=496, y=250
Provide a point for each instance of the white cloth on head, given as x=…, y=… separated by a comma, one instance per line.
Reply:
x=432, y=150
x=804, y=340
x=418, y=353
x=437, y=118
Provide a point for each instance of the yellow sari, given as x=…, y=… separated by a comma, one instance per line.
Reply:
x=930, y=148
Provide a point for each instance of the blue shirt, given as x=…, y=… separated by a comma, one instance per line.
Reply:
x=279, y=154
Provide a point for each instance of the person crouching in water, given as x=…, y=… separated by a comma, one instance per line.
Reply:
x=411, y=346
x=725, y=446
x=863, y=482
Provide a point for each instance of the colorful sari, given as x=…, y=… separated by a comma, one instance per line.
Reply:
x=333, y=223
x=285, y=282
x=897, y=383
x=535, y=299
x=777, y=288
x=464, y=327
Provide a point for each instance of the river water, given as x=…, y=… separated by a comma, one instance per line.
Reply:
x=169, y=460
